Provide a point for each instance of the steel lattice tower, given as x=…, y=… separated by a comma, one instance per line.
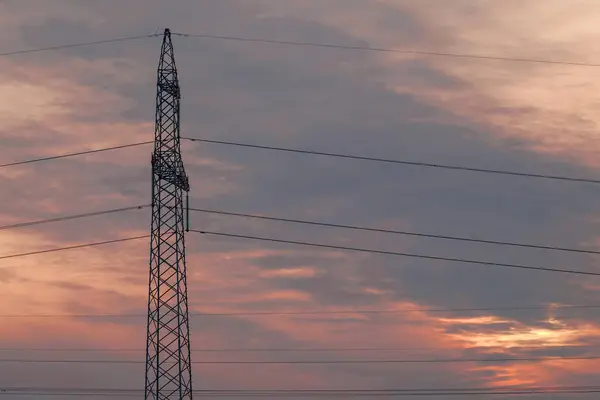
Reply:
x=168, y=363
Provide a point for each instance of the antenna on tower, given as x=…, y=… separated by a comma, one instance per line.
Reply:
x=168, y=360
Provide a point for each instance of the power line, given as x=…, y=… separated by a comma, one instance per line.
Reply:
x=325, y=395
x=310, y=391
x=267, y=350
x=386, y=50
x=79, y=246
x=80, y=153
x=305, y=222
x=278, y=362
x=232, y=350
x=311, y=152
x=393, y=253
x=392, y=161
x=514, y=390
x=84, y=44
x=319, y=392
x=407, y=310
x=72, y=217
x=407, y=233
x=317, y=312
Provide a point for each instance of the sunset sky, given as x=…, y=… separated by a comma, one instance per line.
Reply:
x=537, y=118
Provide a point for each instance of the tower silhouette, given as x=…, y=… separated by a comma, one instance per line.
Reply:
x=168, y=361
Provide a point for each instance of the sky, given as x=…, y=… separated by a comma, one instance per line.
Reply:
x=534, y=117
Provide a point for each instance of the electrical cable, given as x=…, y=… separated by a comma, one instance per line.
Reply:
x=400, y=254
x=346, y=248
x=305, y=222
x=240, y=350
x=267, y=350
x=84, y=44
x=79, y=246
x=320, y=393
x=317, y=312
x=80, y=153
x=313, y=391
x=72, y=217
x=403, y=162
x=281, y=362
x=406, y=233
x=385, y=50
x=299, y=393
x=407, y=310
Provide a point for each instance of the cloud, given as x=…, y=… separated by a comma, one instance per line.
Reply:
x=410, y=108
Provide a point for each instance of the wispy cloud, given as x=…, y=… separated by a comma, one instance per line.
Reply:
x=508, y=115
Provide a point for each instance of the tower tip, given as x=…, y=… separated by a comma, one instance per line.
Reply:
x=167, y=32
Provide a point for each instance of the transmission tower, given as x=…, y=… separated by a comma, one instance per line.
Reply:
x=168, y=361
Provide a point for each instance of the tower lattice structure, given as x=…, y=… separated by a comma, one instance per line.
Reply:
x=168, y=361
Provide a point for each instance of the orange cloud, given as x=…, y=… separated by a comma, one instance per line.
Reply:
x=304, y=272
